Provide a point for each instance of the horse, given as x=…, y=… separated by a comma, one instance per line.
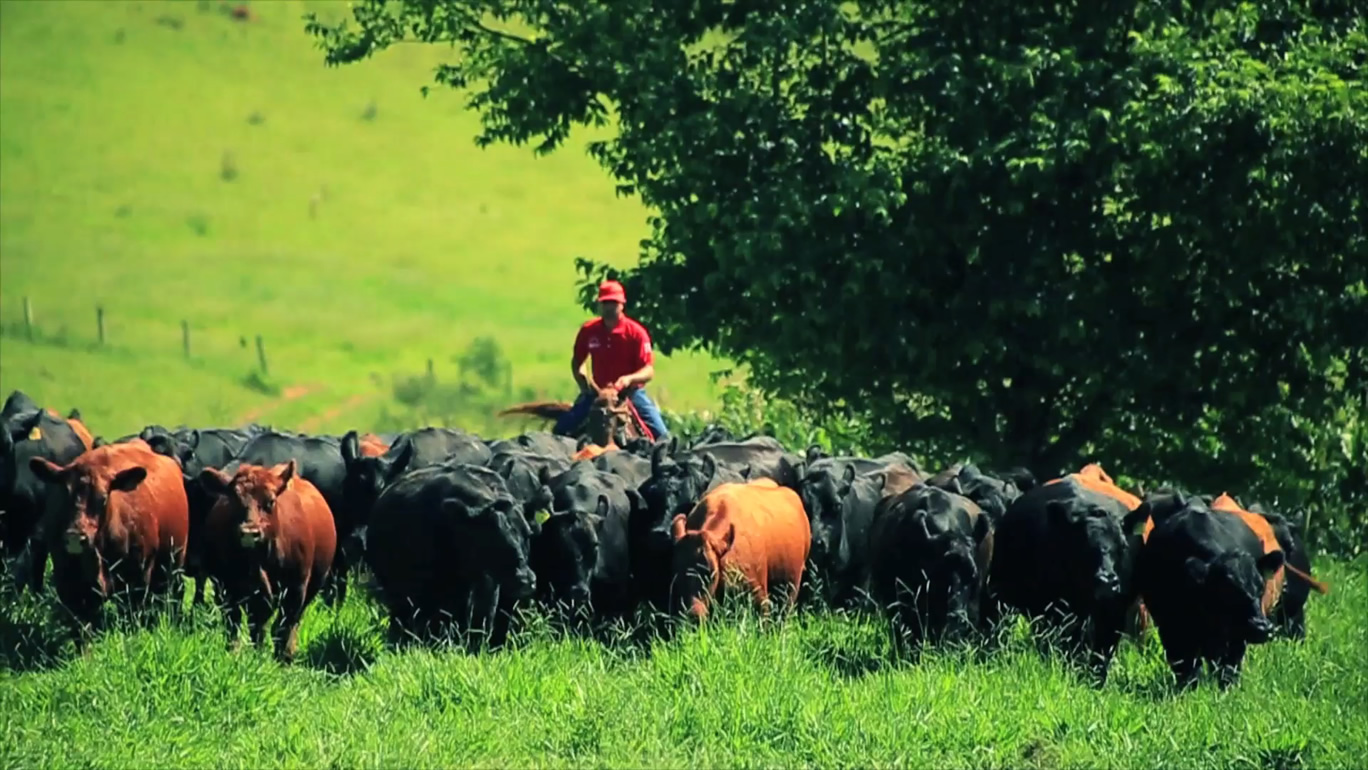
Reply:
x=612, y=422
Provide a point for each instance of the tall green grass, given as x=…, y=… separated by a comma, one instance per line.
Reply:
x=820, y=689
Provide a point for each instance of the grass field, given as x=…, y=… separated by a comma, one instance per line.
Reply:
x=119, y=123
x=819, y=690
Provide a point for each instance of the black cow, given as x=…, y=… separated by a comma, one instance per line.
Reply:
x=1062, y=558
x=319, y=460
x=818, y=460
x=631, y=468
x=541, y=443
x=196, y=450
x=526, y=473
x=449, y=545
x=27, y=431
x=444, y=445
x=989, y=492
x=930, y=552
x=840, y=506
x=581, y=556
x=765, y=457
x=675, y=485
x=1202, y=574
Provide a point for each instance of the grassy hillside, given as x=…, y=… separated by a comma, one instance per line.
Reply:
x=162, y=160
x=820, y=690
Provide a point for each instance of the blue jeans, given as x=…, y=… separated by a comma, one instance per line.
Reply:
x=650, y=414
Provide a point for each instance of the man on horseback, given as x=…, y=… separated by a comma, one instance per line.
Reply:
x=620, y=349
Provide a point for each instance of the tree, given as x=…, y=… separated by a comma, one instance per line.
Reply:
x=1026, y=232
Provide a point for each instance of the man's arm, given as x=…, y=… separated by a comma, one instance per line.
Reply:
x=640, y=377
x=577, y=361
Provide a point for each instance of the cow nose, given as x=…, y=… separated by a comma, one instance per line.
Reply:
x=526, y=581
x=249, y=534
x=1260, y=629
x=1108, y=582
x=579, y=594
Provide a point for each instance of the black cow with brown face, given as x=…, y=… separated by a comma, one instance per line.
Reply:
x=581, y=556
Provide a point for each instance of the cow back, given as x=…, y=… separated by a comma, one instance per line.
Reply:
x=772, y=534
x=1267, y=538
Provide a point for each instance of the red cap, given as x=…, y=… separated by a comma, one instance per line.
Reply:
x=612, y=291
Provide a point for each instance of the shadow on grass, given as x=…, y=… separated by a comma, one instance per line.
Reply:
x=342, y=651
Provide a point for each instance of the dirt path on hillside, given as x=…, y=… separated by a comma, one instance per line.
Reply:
x=292, y=393
x=296, y=392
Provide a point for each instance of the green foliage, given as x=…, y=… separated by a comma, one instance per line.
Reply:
x=483, y=386
x=820, y=690
x=1016, y=231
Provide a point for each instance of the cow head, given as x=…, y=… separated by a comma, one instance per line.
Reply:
x=1233, y=586
x=823, y=495
x=250, y=496
x=368, y=475
x=565, y=554
x=674, y=486
x=503, y=535
x=84, y=514
x=1098, y=549
x=697, y=565
x=944, y=538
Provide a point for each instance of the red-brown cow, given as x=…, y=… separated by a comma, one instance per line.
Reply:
x=119, y=522
x=1093, y=477
x=271, y=539
x=754, y=534
x=372, y=445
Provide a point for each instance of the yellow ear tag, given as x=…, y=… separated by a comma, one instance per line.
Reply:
x=541, y=516
x=35, y=434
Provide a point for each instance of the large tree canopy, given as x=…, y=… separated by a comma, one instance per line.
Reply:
x=1022, y=231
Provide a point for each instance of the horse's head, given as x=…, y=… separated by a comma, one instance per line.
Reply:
x=610, y=420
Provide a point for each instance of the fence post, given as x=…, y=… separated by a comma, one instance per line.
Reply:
x=185, y=337
x=99, y=322
x=28, y=318
x=261, y=355
x=432, y=376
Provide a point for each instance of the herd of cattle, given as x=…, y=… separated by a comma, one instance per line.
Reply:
x=457, y=530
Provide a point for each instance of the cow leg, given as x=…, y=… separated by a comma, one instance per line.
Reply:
x=258, y=614
x=37, y=564
x=232, y=609
x=285, y=633
x=198, y=599
x=1106, y=636
x=335, y=585
x=1228, y=664
x=1184, y=657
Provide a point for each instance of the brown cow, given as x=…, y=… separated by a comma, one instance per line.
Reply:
x=122, y=523
x=271, y=540
x=372, y=445
x=755, y=533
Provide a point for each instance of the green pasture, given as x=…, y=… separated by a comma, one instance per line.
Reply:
x=168, y=163
x=819, y=690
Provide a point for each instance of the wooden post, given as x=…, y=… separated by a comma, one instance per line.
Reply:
x=261, y=355
x=185, y=337
x=99, y=322
x=432, y=376
x=28, y=318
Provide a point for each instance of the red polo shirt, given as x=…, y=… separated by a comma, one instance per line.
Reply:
x=617, y=353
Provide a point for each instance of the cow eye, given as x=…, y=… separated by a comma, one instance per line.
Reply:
x=268, y=505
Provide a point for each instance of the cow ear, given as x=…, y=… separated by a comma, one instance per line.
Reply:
x=1134, y=523
x=544, y=476
x=128, y=479
x=636, y=501
x=1197, y=569
x=46, y=470
x=214, y=481
x=162, y=445
x=402, y=452
x=286, y=473
x=99, y=442
x=351, y=447
x=543, y=499
x=602, y=509
x=506, y=467
x=848, y=476
x=192, y=440
x=814, y=453
x=710, y=467
x=582, y=443
x=1269, y=564
x=982, y=527
x=658, y=456
x=677, y=526
x=674, y=445
x=724, y=543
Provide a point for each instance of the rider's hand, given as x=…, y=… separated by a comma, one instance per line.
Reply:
x=621, y=383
